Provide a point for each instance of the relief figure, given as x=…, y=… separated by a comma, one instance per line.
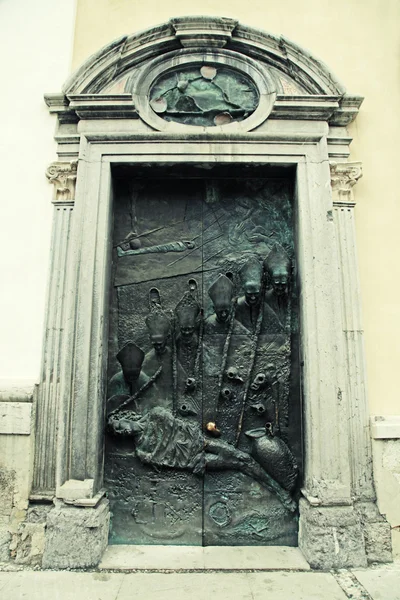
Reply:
x=163, y=440
x=248, y=305
x=159, y=326
x=130, y=379
x=188, y=320
x=277, y=267
x=221, y=294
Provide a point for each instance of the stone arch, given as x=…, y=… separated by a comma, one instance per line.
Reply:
x=128, y=52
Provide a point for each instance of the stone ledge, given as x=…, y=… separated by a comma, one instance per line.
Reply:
x=385, y=427
x=16, y=390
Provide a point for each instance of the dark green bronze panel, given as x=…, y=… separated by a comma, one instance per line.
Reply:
x=204, y=95
x=203, y=441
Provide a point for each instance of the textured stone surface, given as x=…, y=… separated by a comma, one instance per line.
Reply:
x=377, y=534
x=76, y=537
x=15, y=464
x=5, y=538
x=331, y=537
x=378, y=542
x=7, y=482
x=386, y=454
x=29, y=544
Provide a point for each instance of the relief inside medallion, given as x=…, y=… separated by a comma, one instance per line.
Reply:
x=204, y=95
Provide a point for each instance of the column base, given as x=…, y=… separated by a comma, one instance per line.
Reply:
x=76, y=537
x=331, y=537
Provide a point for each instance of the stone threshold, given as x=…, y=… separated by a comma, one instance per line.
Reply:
x=198, y=558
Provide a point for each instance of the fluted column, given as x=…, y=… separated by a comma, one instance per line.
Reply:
x=63, y=176
x=343, y=178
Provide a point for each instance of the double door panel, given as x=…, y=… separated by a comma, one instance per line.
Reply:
x=203, y=442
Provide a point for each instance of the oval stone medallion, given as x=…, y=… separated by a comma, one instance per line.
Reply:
x=206, y=95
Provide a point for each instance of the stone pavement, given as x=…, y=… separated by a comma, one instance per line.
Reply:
x=189, y=574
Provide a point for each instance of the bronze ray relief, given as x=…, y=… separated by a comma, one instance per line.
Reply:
x=203, y=439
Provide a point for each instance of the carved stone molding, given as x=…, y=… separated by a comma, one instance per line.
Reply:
x=63, y=176
x=48, y=394
x=202, y=31
x=344, y=176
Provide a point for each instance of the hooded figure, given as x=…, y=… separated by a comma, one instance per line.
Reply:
x=159, y=326
x=277, y=266
x=130, y=379
x=248, y=306
x=188, y=316
x=221, y=294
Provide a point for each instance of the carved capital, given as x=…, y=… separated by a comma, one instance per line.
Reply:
x=63, y=176
x=344, y=176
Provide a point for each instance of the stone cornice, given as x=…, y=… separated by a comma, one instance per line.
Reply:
x=337, y=111
x=63, y=176
x=344, y=176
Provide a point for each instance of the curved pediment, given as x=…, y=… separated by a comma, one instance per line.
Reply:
x=295, y=69
x=287, y=80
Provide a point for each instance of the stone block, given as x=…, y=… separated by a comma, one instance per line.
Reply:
x=15, y=418
x=331, y=537
x=386, y=455
x=378, y=542
x=5, y=538
x=76, y=537
x=30, y=544
x=377, y=533
x=7, y=483
x=76, y=489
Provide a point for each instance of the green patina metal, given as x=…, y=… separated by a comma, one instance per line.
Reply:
x=205, y=95
x=203, y=442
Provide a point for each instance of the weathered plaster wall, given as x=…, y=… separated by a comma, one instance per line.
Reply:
x=36, y=47
x=359, y=42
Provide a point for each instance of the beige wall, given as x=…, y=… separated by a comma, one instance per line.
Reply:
x=359, y=41
x=36, y=51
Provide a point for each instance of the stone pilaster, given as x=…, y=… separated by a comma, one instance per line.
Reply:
x=63, y=176
x=343, y=178
x=376, y=530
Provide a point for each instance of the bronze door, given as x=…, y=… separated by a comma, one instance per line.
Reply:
x=203, y=438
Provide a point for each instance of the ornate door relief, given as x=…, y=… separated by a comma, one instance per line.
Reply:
x=300, y=123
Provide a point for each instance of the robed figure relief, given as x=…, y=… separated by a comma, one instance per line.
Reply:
x=203, y=439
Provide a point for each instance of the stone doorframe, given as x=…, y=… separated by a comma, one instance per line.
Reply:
x=339, y=522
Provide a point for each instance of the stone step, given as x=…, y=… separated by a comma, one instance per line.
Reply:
x=197, y=558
